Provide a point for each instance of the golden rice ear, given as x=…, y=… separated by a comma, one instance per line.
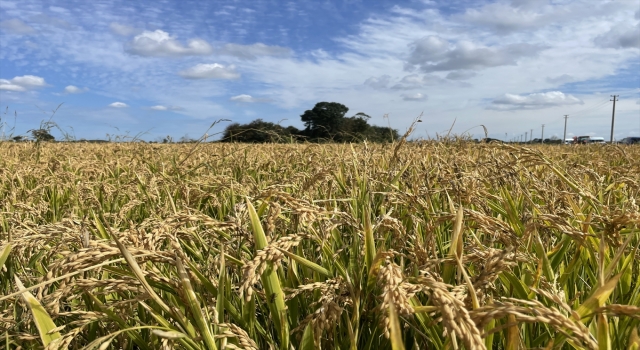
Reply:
x=440, y=244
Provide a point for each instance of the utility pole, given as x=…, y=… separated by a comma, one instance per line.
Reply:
x=613, y=115
x=531, y=135
x=542, y=137
x=525, y=136
x=565, y=128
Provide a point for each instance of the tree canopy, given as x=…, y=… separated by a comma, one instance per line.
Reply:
x=325, y=122
x=258, y=131
x=42, y=135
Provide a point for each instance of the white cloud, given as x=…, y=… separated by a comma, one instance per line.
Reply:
x=251, y=52
x=432, y=53
x=414, y=97
x=29, y=81
x=16, y=26
x=247, y=99
x=242, y=98
x=414, y=81
x=503, y=18
x=380, y=82
x=534, y=101
x=71, y=89
x=123, y=29
x=165, y=108
x=118, y=105
x=9, y=86
x=620, y=37
x=160, y=43
x=22, y=83
x=210, y=71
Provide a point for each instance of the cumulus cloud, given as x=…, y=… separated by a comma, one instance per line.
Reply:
x=461, y=75
x=247, y=99
x=414, y=97
x=119, y=105
x=22, y=83
x=16, y=26
x=414, y=81
x=251, y=52
x=160, y=43
x=210, y=71
x=123, y=29
x=380, y=82
x=504, y=18
x=620, y=37
x=71, y=89
x=432, y=53
x=8, y=86
x=534, y=101
x=165, y=108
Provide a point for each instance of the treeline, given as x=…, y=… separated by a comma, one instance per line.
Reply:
x=326, y=122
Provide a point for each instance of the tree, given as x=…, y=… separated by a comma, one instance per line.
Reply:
x=324, y=120
x=381, y=134
x=353, y=129
x=42, y=135
x=258, y=131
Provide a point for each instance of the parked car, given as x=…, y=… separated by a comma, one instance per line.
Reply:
x=630, y=140
x=597, y=139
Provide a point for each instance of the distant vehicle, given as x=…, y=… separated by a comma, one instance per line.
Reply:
x=583, y=139
x=630, y=140
x=590, y=139
x=568, y=141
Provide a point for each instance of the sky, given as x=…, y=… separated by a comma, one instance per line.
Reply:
x=151, y=69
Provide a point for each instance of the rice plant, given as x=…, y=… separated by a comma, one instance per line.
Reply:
x=427, y=245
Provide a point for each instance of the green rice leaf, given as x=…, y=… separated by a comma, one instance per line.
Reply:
x=41, y=317
x=271, y=282
x=307, y=342
x=4, y=255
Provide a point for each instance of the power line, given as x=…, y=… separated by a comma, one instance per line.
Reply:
x=600, y=104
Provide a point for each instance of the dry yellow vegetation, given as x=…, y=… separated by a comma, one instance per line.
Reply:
x=448, y=245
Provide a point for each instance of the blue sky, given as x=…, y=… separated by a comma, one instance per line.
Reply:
x=173, y=67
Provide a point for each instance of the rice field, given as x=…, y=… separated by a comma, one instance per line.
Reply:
x=448, y=245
